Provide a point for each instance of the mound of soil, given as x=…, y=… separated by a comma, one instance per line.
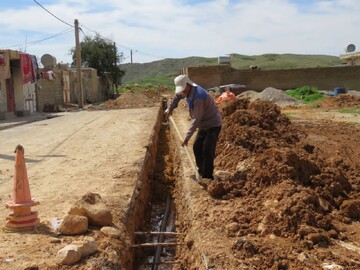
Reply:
x=285, y=188
x=131, y=99
x=338, y=102
x=276, y=96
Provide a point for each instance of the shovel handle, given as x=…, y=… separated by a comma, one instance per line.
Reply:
x=186, y=149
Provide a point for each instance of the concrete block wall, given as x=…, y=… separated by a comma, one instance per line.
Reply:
x=50, y=91
x=324, y=78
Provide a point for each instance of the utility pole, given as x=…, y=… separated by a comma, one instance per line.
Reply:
x=78, y=67
x=116, y=75
x=131, y=66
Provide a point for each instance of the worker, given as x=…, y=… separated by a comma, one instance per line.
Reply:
x=205, y=117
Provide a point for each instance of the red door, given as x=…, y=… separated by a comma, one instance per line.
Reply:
x=10, y=95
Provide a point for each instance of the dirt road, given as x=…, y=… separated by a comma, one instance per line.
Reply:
x=66, y=157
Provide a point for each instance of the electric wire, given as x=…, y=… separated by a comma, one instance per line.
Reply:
x=40, y=40
x=126, y=47
x=52, y=13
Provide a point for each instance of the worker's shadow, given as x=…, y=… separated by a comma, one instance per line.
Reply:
x=7, y=157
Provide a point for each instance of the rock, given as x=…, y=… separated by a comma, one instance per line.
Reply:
x=351, y=208
x=111, y=232
x=73, y=225
x=68, y=255
x=86, y=247
x=114, y=258
x=244, y=165
x=302, y=257
x=222, y=175
x=92, y=207
x=325, y=205
x=233, y=227
x=331, y=266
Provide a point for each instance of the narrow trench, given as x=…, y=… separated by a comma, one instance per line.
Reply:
x=159, y=232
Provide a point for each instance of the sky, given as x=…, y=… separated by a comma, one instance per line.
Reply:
x=157, y=29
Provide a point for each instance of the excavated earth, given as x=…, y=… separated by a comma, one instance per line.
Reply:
x=287, y=196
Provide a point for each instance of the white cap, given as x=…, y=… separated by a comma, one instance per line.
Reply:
x=180, y=83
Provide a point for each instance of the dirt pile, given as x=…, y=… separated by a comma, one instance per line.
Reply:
x=276, y=96
x=338, y=102
x=130, y=99
x=280, y=184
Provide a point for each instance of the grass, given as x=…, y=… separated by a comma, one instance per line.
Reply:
x=307, y=94
x=351, y=111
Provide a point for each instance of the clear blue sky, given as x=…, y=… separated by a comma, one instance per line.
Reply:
x=159, y=29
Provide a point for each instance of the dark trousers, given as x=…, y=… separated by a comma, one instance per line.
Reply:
x=204, y=150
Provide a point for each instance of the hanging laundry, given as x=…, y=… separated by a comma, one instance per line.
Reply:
x=26, y=66
x=4, y=65
x=51, y=75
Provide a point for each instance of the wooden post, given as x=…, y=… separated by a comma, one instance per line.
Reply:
x=78, y=66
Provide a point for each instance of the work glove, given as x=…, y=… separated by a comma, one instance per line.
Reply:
x=167, y=113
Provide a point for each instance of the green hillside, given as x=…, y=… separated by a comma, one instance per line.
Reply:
x=164, y=71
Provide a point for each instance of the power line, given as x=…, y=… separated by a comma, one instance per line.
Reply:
x=52, y=14
x=41, y=40
x=126, y=47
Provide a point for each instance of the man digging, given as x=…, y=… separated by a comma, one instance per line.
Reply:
x=205, y=117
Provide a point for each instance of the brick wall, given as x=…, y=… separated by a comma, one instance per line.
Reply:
x=50, y=91
x=323, y=78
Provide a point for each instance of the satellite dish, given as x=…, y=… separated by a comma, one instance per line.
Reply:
x=48, y=60
x=350, y=48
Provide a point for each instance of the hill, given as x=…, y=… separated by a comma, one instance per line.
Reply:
x=164, y=71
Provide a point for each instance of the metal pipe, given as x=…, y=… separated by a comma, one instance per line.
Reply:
x=161, y=236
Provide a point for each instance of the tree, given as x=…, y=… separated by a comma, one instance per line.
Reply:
x=100, y=54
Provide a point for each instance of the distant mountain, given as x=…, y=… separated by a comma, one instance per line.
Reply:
x=164, y=71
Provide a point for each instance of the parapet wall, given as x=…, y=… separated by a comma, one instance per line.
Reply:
x=324, y=78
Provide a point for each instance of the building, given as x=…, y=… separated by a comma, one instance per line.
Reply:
x=351, y=58
x=25, y=88
x=17, y=83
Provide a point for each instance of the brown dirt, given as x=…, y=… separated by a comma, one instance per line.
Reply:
x=338, y=102
x=131, y=99
x=292, y=199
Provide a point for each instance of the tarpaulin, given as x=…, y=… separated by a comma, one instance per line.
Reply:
x=226, y=96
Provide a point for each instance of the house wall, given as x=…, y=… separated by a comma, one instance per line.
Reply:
x=3, y=102
x=50, y=91
x=91, y=88
x=323, y=78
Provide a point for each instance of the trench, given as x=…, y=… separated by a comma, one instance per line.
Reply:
x=163, y=190
x=156, y=239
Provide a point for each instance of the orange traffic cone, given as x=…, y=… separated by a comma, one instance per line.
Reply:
x=22, y=216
